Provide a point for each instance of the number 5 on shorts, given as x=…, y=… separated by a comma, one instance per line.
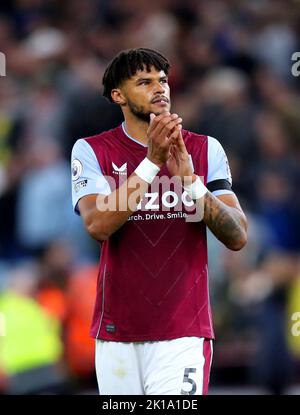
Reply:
x=187, y=379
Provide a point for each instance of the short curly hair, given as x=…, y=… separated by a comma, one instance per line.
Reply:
x=127, y=63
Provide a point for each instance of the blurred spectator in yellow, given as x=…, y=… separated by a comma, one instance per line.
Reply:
x=31, y=346
x=293, y=321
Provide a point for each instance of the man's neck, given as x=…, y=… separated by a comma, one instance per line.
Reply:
x=137, y=129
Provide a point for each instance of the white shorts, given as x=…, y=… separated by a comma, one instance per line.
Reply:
x=169, y=367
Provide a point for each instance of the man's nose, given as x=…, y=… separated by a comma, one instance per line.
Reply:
x=158, y=88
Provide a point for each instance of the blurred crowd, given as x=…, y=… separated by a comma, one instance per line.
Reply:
x=231, y=79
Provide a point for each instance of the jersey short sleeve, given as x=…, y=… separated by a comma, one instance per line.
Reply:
x=219, y=180
x=87, y=177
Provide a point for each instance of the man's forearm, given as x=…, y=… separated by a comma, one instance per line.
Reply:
x=113, y=210
x=227, y=223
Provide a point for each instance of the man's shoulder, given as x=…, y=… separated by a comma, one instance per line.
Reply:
x=103, y=137
x=191, y=135
x=212, y=142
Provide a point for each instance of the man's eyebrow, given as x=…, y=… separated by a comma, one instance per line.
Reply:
x=151, y=78
x=143, y=79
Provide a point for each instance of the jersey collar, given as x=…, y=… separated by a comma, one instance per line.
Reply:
x=129, y=136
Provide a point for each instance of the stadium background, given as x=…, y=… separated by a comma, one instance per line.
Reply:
x=231, y=79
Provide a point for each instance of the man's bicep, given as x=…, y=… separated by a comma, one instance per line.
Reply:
x=90, y=204
x=87, y=204
x=230, y=200
x=92, y=218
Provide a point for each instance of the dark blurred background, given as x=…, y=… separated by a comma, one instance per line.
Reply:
x=231, y=79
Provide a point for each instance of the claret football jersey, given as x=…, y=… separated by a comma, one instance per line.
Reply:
x=153, y=274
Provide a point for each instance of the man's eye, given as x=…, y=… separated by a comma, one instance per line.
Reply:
x=164, y=81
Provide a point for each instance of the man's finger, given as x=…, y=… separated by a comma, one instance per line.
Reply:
x=172, y=140
x=165, y=121
x=152, y=116
x=174, y=152
x=179, y=139
x=155, y=121
x=169, y=127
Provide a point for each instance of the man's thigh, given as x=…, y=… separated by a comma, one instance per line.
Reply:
x=178, y=367
x=118, y=368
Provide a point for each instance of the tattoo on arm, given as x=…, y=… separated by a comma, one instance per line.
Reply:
x=227, y=223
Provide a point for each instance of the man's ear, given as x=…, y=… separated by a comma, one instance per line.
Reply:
x=118, y=97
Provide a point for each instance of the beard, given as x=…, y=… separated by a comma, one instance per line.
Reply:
x=140, y=112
